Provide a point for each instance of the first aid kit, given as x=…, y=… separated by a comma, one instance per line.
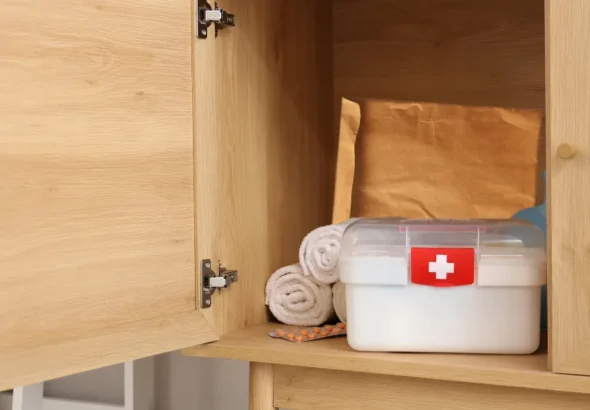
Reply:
x=452, y=286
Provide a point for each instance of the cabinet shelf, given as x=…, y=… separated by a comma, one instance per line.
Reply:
x=526, y=371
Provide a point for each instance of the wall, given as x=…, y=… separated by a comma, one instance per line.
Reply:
x=182, y=383
x=102, y=385
x=190, y=383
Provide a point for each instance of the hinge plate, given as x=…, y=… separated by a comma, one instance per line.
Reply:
x=207, y=15
x=210, y=281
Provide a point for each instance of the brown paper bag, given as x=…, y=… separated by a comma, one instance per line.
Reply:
x=350, y=117
x=426, y=160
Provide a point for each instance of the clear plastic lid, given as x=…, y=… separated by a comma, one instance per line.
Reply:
x=497, y=252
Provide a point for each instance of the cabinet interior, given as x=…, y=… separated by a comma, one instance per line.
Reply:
x=277, y=116
x=297, y=61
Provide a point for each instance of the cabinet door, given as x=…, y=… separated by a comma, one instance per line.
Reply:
x=568, y=109
x=97, y=248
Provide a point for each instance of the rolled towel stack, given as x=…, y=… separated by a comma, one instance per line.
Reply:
x=296, y=299
x=319, y=252
x=301, y=294
x=339, y=300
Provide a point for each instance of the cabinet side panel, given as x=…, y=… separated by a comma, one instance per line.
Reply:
x=568, y=113
x=264, y=145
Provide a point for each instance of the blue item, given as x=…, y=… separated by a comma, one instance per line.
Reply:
x=537, y=215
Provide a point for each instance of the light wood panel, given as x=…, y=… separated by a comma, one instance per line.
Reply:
x=299, y=388
x=453, y=51
x=96, y=201
x=568, y=109
x=44, y=359
x=261, y=386
x=264, y=145
x=527, y=371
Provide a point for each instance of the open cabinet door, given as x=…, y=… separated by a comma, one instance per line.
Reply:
x=96, y=198
x=264, y=145
x=568, y=113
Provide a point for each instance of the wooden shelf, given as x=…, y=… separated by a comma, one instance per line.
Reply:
x=529, y=371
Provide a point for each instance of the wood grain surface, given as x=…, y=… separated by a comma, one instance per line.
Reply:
x=526, y=371
x=299, y=388
x=261, y=386
x=96, y=200
x=451, y=51
x=568, y=114
x=264, y=146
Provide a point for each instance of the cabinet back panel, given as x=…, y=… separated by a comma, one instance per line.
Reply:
x=264, y=146
x=452, y=51
x=448, y=51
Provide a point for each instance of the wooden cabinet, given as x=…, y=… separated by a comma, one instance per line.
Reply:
x=525, y=54
x=130, y=151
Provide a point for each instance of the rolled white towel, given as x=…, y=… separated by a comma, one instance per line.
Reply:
x=295, y=299
x=339, y=299
x=319, y=252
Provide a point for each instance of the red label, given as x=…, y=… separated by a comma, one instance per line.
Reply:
x=442, y=266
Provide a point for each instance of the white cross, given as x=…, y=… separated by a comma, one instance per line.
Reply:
x=441, y=267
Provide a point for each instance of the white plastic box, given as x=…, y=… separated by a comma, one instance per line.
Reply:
x=443, y=286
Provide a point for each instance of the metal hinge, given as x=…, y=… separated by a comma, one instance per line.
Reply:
x=210, y=281
x=206, y=15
